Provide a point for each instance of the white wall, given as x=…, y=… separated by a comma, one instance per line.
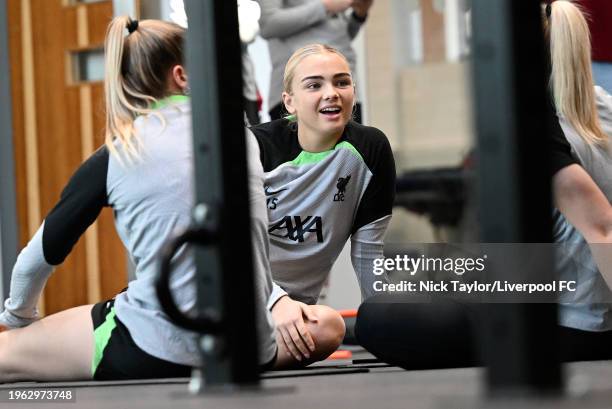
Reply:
x=258, y=50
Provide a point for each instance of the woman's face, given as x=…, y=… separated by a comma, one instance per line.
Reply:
x=322, y=94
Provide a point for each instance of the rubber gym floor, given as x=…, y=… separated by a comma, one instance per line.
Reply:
x=357, y=383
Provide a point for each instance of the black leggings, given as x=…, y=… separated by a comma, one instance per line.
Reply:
x=445, y=334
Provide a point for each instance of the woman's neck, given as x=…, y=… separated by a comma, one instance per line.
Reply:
x=312, y=141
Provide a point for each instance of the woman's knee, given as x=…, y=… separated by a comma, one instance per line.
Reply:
x=328, y=332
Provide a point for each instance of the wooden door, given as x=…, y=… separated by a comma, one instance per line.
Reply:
x=58, y=122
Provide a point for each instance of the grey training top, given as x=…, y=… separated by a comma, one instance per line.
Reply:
x=317, y=201
x=291, y=24
x=151, y=198
x=589, y=308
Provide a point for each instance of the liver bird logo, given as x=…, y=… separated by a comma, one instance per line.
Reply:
x=341, y=186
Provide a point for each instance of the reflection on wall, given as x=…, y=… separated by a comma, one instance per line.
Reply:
x=418, y=90
x=435, y=115
x=414, y=56
x=87, y=65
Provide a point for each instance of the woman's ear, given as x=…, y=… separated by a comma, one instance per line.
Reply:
x=288, y=102
x=179, y=77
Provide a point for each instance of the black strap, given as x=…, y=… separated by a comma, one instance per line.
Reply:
x=132, y=25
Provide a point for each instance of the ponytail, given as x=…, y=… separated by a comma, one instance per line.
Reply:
x=136, y=69
x=572, y=77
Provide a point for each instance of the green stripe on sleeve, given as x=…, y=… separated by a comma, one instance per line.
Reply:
x=102, y=335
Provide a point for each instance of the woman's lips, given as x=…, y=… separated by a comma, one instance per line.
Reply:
x=332, y=114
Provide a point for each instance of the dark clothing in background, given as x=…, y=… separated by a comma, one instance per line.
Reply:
x=446, y=334
x=599, y=17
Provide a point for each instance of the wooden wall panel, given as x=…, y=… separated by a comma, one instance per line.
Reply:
x=99, y=15
x=16, y=58
x=57, y=126
x=113, y=271
x=70, y=29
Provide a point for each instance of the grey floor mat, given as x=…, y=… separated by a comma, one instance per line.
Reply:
x=85, y=384
x=311, y=371
x=319, y=371
x=589, y=386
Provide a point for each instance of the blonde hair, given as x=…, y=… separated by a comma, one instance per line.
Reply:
x=135, y=77
x=571, y=78
x=301, y=53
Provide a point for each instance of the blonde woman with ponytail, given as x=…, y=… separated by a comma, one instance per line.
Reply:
x=583, y=221
x=144, y=172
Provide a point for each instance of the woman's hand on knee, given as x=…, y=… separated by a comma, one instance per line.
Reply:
x=289, y=316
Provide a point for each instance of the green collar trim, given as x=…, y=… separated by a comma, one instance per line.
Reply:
x=307, y=158
x=172, y=99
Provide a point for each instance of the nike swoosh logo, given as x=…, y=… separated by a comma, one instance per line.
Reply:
x=271, y=193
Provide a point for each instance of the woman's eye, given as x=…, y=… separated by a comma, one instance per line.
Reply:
x=344, y=83
x=313, y=85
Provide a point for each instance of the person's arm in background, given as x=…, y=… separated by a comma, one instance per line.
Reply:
x=358, y=16
x=584, y=205
x=277, y=21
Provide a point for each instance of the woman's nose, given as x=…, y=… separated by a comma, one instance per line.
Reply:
x=330, y=92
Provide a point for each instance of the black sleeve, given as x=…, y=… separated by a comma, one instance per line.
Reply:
x=262, y=137
x=377, y=201
x=80, y=204
x=561, y=151
x=278, y=143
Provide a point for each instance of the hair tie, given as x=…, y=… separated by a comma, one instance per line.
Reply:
x=132, y=25
x=548, y=10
